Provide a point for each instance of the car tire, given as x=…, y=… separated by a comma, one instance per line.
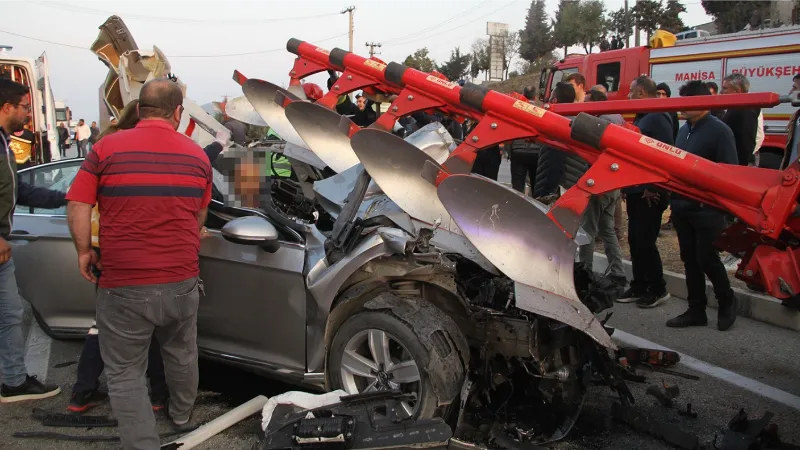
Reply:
x=415, y=330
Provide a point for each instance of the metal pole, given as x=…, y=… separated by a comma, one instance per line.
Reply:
x=350, y=11
x=636, y=37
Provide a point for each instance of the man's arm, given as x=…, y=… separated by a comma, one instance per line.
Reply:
x=201, y=218
x=79, y=219
x=38, y=197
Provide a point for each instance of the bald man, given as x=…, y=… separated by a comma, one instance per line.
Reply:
x=152, y=186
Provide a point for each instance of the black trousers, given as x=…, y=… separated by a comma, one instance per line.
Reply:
x=523, y=167
x=697, y=231
x=644, y=223
x=487, y=162
x=90, y=366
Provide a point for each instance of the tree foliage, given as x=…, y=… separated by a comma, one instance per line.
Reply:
x=457, y=67
x=510, y=50
x=593, y=24
x=647, y=14
x=480, y=57
x=733, y=16
x=579, y=23
x=536, y=39
x=616, y=23
x=670, y=17
x=420, y=60
x=566, y=23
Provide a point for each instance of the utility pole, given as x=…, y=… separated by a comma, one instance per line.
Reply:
x=627, y=27
x=350, y=11
x=372, y=46
x=636, y=37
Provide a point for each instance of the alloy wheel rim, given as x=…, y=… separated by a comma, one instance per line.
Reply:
x=374, y=360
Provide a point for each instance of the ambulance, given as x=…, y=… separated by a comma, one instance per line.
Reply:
x=769, y=58
x=38, y=143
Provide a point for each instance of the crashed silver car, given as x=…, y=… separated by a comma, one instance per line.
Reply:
x=362, y=281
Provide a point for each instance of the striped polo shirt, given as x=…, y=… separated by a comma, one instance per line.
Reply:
x=149, y=184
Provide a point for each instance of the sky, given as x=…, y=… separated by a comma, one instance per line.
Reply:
x=198, y=37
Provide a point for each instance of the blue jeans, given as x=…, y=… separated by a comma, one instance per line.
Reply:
x=12, y=343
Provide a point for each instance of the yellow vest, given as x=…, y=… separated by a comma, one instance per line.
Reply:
x=21, y=148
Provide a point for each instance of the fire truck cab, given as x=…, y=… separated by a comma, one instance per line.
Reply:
x=768, y=58
x=43, y=146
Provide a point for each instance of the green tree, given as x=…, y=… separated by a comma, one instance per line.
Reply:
x=566, y=23
x=733, y=16
x=616, y=23
x=457, y=66
x=670, y=17
x=593, y=24
x=536, y=39
x=647, y=14
x=480, y=57
x=420, y=60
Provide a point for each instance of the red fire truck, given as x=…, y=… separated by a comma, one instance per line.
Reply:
x=769, y=58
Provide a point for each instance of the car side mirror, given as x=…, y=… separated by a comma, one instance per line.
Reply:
x=252, y=230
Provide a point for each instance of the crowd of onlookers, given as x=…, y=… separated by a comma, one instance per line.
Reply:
x=730, y=137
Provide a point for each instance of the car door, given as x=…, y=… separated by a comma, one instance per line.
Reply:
x=255, y=304
x=45, y=260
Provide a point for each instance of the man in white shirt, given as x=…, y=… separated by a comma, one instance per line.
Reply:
x=82, y=134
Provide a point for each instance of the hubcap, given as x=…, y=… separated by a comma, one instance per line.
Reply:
x=374, y=360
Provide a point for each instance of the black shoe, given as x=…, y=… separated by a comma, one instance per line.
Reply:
x=80, y=402
x=31, y=389
x=689, y=319
x=631, y=295
x=651, y=300
x=185, y=427
x=726, y=315
x=159, y=401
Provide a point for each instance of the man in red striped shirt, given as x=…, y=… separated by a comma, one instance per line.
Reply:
x=152, y=186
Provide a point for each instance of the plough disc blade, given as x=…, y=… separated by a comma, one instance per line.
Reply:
x=298, y=92
x=241, y=110
x=513, y=232
x=397, y=167
x=261, y=94
x=325, y=132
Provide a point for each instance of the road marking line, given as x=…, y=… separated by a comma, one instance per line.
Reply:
x=733, y=378
x=37, y=352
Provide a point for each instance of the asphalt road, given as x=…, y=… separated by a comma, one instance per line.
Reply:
x=756, y=352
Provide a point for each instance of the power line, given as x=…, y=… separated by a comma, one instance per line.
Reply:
x=182, y=20
x=173, y=56
x=416, y=33
x=460, y=26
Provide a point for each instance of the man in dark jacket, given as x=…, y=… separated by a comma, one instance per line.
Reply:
x=15, y=109
x=664, y=91
x=699, y=225
x=524, y=155
x=63, y=137
x=93, y=136
x=555, y=167
x=742, y=121
x=646, y=205
x=714, y=90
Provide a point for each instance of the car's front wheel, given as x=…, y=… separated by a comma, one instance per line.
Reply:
x=404, y=344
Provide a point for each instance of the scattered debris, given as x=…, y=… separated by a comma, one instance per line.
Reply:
x=53, y=419
x=363, y=421
x=745, y=434
x=665, y=395
x=688, y=412
x=675, y=373
x=668, y=432
x=218, y=425
x=65, y=364
x=78, y=438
